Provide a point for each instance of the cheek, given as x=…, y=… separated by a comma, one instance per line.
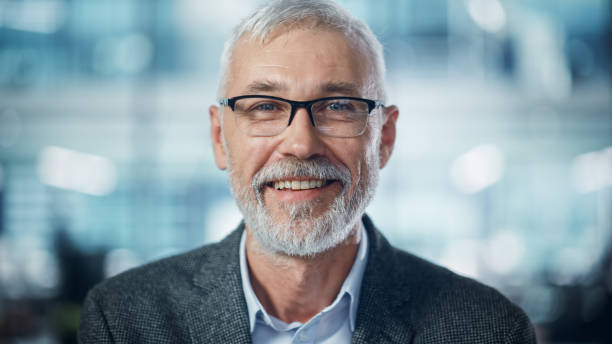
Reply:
x=372, y=143
x=352, y=156
x=247, y=156
x=365, y=157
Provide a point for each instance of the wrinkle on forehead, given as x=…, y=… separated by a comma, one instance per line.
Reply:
x=272, y=66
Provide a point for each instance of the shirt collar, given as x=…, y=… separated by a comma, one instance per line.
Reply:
x=350, y=286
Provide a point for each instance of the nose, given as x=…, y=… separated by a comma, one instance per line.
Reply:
x=301, y=139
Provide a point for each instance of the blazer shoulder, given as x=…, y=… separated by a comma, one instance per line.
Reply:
x=170, y=275
x=162, y=301
x=448, y=302
x=433, y=283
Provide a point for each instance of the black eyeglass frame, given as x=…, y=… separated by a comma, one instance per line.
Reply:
x=231, y=102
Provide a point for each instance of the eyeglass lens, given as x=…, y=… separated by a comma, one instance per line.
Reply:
x=269, y=117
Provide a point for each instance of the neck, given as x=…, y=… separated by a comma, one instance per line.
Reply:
x=297, y=288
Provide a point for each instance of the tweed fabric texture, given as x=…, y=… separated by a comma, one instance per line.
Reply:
x=197, y=297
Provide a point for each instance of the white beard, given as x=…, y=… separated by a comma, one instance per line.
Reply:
x=300, y=233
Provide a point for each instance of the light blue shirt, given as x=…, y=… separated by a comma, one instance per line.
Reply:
x=334, y=324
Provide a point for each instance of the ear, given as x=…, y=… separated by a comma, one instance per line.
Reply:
x=387, y=137
x=216, y=136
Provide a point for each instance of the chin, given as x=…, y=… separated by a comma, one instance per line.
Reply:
x=299, y=232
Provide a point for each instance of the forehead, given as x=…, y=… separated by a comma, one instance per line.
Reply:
x=304, y=61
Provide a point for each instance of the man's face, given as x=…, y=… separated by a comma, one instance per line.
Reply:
x=300, y=65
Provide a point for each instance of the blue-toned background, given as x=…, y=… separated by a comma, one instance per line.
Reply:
x=502, y=170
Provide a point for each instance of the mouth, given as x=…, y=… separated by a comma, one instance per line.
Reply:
x=305, y=184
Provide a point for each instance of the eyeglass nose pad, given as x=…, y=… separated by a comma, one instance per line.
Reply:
x=294, y=110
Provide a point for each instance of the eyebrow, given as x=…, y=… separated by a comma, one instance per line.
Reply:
x=265, y=86
x=345, y=88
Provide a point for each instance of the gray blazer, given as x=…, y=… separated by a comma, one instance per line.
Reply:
x=197, y=297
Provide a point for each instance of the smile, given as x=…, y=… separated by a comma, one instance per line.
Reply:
x=299, y=184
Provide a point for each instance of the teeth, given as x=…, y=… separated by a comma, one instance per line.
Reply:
x=298, y=184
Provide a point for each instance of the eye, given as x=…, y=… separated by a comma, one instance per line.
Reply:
x=340, y=106
x=265, y=107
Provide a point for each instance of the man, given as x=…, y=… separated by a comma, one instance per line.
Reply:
x=302, y=130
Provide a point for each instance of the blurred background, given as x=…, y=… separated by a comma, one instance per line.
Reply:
x=502, y=170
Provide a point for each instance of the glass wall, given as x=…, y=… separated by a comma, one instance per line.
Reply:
x=502, y=169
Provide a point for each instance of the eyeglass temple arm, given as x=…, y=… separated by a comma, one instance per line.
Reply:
x=227, y=102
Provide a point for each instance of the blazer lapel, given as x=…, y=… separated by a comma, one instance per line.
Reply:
x=218, y=311
x=384, y=299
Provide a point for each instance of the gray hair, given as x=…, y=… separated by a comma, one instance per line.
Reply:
x=310, y=13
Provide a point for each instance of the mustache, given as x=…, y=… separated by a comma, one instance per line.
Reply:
x=316, y=168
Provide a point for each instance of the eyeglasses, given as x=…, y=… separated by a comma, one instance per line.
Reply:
x=260, y=115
